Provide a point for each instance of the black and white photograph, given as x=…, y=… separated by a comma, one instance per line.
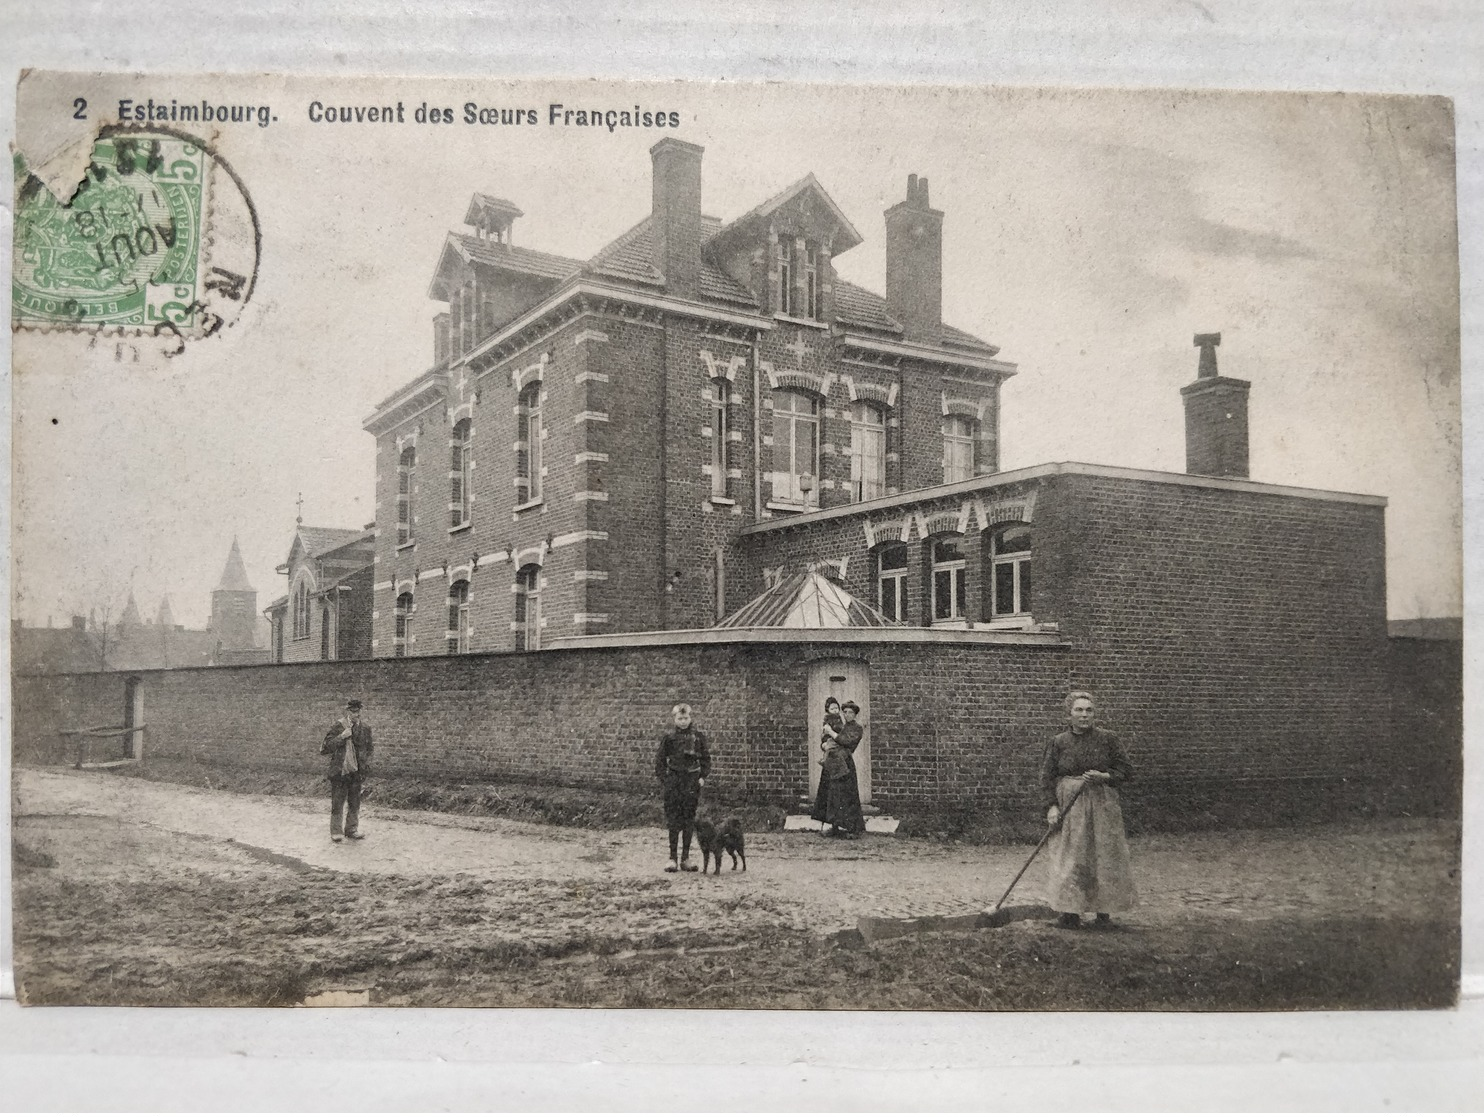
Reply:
x=685, y=545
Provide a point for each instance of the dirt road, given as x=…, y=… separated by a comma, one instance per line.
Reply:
x=800, y=880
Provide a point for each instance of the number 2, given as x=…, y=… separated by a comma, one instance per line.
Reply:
x=81, y=105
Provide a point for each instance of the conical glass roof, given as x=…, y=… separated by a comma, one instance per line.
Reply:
x=807, y=599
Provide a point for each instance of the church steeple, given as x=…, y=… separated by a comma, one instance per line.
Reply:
x=165, y=618
x=234, y=605
x=131, y=617
x=234, y=574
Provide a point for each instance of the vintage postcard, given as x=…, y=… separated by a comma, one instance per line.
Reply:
x=719, y=545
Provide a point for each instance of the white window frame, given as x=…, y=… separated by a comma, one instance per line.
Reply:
x=863, y=429
x=1019, y=563
x=960, y=457
x=406, y=479
x=460, y=503
x=402, y=622
x=299, y=604
x=812, y=290
x=530, y=432
x=784, y=256
x=720, y=436
x=893, y=581
x=957, y=589
x=458, y=618
x=529, y=600
x=786, y=424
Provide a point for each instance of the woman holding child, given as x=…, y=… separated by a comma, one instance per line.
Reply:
x=838, y=802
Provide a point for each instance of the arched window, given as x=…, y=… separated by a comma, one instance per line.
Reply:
x=458, y=618
x=948, y=591
x=796, y=447
x=720, y=435
x=301, y=610
x=324, y=633
x=1012, y=571
x=402, y=633
x=406, y=474
x=891, y=580
x=458, y=474
x=528, y=608
x=958, y=448
x=867, y=450
x=528, y=453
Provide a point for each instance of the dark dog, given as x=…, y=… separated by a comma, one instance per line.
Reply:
x=713, y=840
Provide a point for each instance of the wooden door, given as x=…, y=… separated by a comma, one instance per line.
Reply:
x=844, y=680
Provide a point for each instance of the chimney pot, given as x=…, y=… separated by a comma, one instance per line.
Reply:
x=676, y=215
x=914, y=263
x=1216, y=436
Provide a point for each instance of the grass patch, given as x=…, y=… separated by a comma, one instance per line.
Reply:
x=551, y=804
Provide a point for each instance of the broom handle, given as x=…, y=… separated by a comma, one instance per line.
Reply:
x=1039, y=846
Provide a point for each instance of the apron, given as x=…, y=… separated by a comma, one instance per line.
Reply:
x=1089, y=865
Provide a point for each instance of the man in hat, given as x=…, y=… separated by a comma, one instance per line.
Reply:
x=348, y=745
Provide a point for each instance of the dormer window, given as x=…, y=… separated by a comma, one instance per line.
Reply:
x=784, y=255
x=811, y=283
x=800, y=292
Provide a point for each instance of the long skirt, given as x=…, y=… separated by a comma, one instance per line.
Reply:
x=1088, y=862
x=838, y=801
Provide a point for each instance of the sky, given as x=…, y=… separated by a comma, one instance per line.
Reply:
x=1089, y=234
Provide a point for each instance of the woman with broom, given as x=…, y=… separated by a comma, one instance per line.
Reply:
x=1089, y=864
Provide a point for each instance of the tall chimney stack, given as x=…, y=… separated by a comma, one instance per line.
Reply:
x=1215, y=417
x=677, y=215
x=914, y=263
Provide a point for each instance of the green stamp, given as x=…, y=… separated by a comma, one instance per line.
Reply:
x=125, y=250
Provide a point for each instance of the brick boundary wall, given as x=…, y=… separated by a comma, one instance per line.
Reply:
x=953, y=725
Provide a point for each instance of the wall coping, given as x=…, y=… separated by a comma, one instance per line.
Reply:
x=892, y=635
x=1059, y=469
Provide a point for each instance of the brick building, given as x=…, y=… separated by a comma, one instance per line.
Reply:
x=327, y=612
x=608, y=457
x=594, y=437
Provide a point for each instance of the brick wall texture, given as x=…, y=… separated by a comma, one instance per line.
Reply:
x=960, y=725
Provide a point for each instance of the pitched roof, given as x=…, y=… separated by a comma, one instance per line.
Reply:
x=868, y=310
x=234, y=574
x=319, y=541
x=630, y=257
x=807, y=599
x=55, y=651
x=509, y=257
x=863, y=308
x=847, y=239
x=153, y=646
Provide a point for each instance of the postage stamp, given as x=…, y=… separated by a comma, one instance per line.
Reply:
x=125, y=249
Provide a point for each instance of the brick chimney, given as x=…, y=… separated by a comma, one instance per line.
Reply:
x=677, y=215
x=914, y=263
x=1215, y=417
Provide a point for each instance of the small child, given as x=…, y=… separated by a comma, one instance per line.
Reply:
x=832, y=761
x=833, y=721
x=682, y=765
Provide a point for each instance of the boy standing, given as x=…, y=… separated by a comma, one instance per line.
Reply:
x=682, y=765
